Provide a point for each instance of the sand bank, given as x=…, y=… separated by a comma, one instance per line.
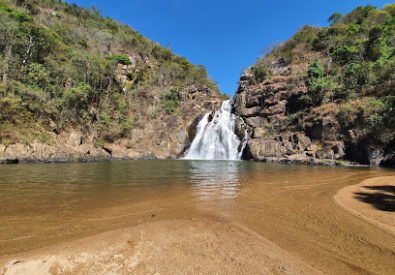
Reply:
x=164, y=247
x=372, y=200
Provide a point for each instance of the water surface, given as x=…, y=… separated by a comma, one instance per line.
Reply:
x=292, y=206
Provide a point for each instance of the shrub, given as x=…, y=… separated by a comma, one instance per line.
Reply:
x=78, y=96
x=17, y=15
x=121, y=59
x=357, y=75
x=111, y=25
x=163, y=54
x=315, y=70
x=390, y=8
x=171, y=102
x=260, y=73
x=307, y=35
x=377, y=46
x=30, y=5
x=346, y=54
x=295, y=118
x=359, y=14
x=320, y=85
x=374, y=120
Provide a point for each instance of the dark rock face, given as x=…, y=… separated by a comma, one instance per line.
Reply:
x=389, y=155
x=388, y=161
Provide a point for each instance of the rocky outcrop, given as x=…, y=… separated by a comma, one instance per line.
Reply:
x=267, y=109
x=167, y=135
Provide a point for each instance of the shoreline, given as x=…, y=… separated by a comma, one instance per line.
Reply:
x=63, y=160
x=316, y=162
x=74, y=160
x=347, y=199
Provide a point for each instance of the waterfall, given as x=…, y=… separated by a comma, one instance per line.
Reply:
x=215, y=138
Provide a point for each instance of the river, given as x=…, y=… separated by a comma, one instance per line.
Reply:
x=292, y=206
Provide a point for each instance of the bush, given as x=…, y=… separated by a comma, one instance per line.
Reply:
x=320, y=85
x=359, y=14
x=78, y=96
x=162, y=54
x=377, y=46
x=171, y=102
x=374, y=120
x=111, y=25
x=17, y=15
x=346, y=54
x=260, y=73
x=315, y=70
x=307, y=35
x=357, y=75
x=296, y=118
x=121, y=59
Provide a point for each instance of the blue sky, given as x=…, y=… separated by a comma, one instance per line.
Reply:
x=225, y=36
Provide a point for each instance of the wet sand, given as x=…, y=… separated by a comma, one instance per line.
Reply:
x=372, y=200
x=264, y=220
x=168, y=247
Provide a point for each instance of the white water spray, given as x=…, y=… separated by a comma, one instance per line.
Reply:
x=216, y=138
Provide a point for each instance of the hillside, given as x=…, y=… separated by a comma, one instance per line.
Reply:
x=75, y=85
x=327, y=94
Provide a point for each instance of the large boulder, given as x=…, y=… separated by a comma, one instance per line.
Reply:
x=266, y=147
x=254, y=122
x=250, y=112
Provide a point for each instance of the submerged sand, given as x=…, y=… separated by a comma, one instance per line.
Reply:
x=166, y=247
x=277, y=222
x=372, y=200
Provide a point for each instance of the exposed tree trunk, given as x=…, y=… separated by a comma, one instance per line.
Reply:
x=29, y=51
x=7, y=60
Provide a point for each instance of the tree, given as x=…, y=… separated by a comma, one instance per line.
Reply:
x=334, y=18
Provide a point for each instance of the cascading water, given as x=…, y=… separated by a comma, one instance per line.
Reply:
x=216, y=138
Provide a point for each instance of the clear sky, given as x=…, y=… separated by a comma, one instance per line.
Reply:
x=226, y=36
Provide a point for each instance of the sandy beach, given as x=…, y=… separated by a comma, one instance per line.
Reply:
x=171, y=247
x=372, y=200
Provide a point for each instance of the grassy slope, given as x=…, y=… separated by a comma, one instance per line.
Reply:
x=62, y=66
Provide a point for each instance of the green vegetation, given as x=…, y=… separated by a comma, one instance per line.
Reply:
x=260, y=73
x=171, y=102
x=60, y=66
x=350, y=74
x=322, y=87
x=121, y=59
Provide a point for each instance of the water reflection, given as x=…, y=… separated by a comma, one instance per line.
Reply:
x=215, y=180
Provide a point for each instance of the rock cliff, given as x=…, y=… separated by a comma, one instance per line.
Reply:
x=265, y=109
x=324, y=96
